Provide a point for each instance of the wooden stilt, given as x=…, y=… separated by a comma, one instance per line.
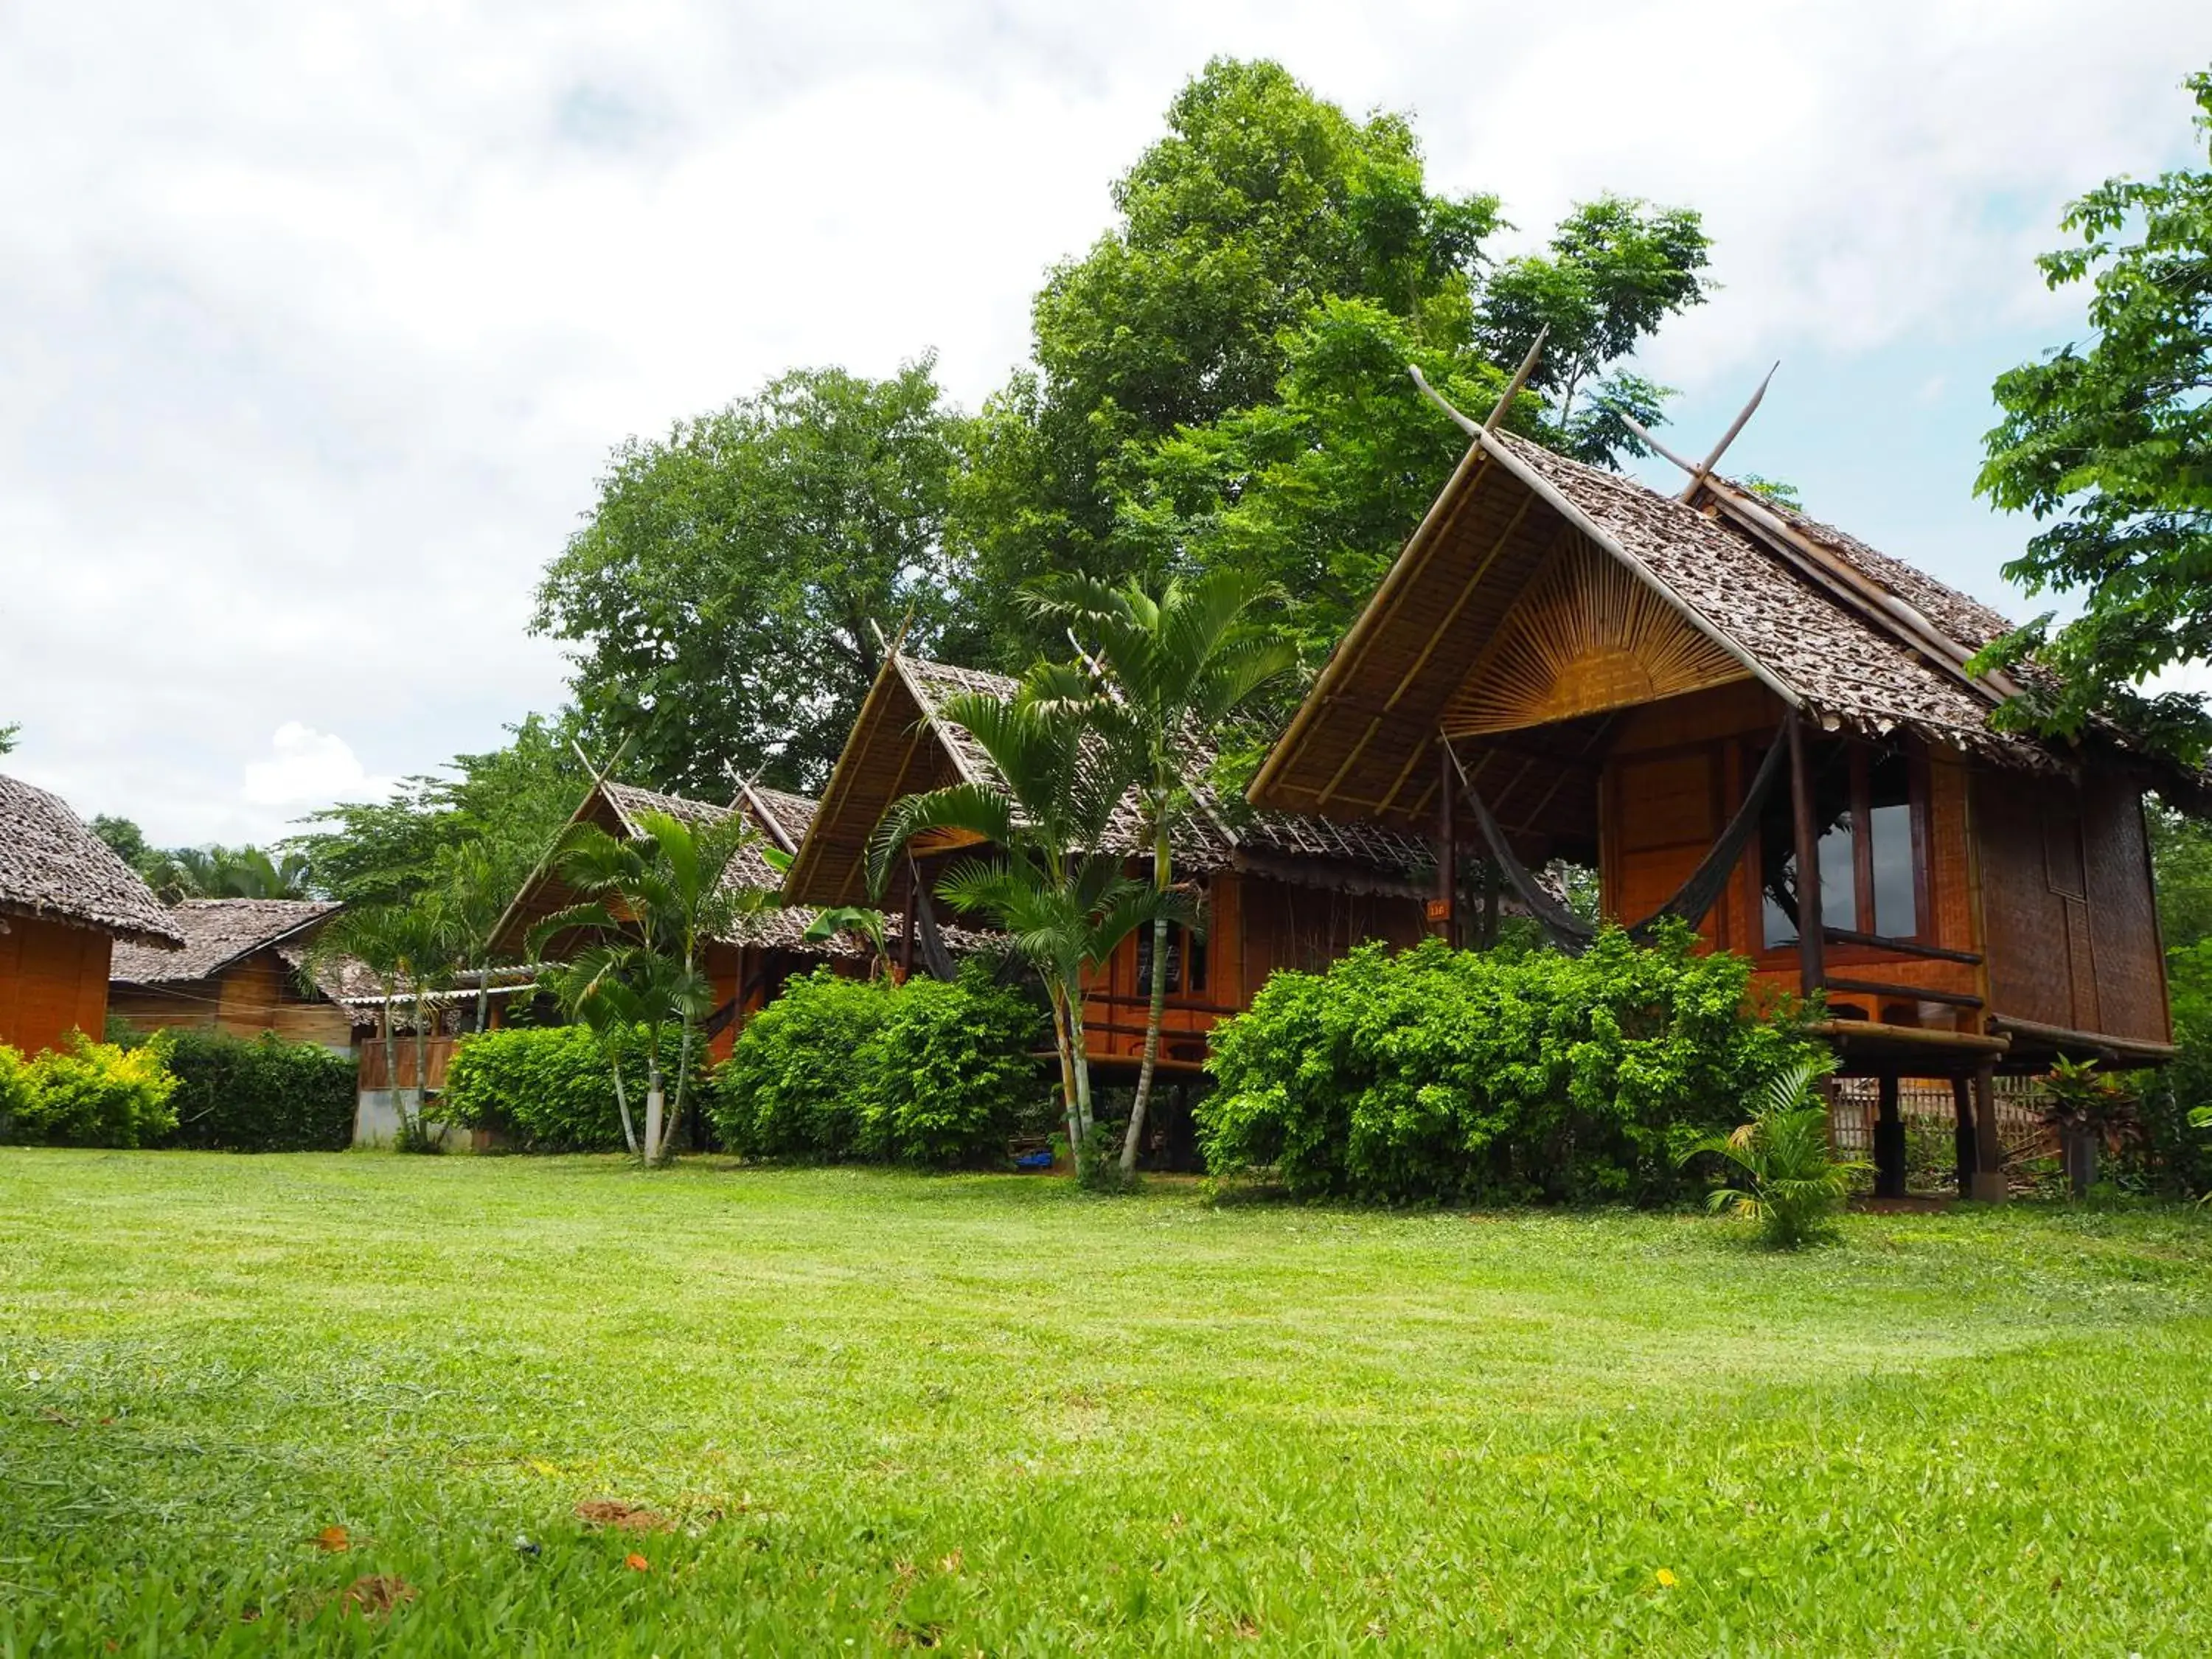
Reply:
x=1493, y=882
x=1989, y=1149
x=1888, y=1142
x=1962, y=1136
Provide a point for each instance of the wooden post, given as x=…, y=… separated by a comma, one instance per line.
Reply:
x=1443, y=909
x=1989, y=1149
x=1493, y=879
x=1888, y=1142
x=906, y=938
x=1812, y=966
x=1962, y=1136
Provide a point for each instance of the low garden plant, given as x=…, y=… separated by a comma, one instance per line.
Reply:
x=1443, y=1076
x=1787, y=1177
x=930, y=1073
x=89, y=1094
x=260, y=1094
x=551, y=1088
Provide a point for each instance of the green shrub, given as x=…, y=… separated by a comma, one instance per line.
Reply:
x=265, y=1095
x=551, y=1086
x=927, y=1073
x=14, y=1090
x=954, y=1074
x=96, y=1094
x=801, y=1076
x=1449, y=1076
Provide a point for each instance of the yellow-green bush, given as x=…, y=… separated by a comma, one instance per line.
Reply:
x=94, y=1094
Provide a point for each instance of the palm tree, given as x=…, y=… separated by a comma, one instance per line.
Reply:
x=1173, y=665
x=1064, y=901
x=655, y=901
x=406, y=947
x=1792, y=1180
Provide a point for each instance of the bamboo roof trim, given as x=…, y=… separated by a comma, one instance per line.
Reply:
x=1417, y=657
x=901, y=744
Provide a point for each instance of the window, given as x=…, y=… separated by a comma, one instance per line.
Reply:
x=1870, y=864
x=1183, y=950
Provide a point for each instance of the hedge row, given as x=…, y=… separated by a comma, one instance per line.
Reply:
x=89, y=1094
x=1457, y=1076
x=927, y=1073
x=552, y=1087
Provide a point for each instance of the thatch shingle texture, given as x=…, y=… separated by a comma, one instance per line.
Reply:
x=216, y=934
x=52, y=866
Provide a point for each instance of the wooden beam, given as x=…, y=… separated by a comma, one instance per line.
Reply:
x=1811, y=966
x=1875, y=987
x=1444, y=912
x=1903, y=947
x=2061, y=1036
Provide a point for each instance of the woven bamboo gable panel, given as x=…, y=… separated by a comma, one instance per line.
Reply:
x=1586, y=636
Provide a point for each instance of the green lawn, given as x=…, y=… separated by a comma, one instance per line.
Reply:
x=989, y=1414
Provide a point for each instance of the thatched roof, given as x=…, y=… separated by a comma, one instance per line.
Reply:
x=1725, y=587
x=781, y=819
x=52, y=866
x=216, y=934
x=902, y=744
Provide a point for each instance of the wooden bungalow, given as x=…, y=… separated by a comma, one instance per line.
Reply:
x=1705, y=696
x=1281, y=889
x=66, y=900
x=242, y=969
x=763, y=951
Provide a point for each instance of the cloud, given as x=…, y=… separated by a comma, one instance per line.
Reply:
x=309, y=768
x=317, y=324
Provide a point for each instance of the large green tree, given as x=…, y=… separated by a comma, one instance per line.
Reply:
x=725, y=590
x=485, y=821
x=1221, y=380
x=1260, y=202
x=2109, y=441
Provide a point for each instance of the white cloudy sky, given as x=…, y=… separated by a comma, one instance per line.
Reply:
x=316, y=322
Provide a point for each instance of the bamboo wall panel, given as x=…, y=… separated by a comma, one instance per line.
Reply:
x=2123, y=914
x=2030, y=941
x=53, y=980
x=1586, y=636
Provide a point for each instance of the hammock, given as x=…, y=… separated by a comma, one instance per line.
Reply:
x=1690, y=900
x=934, y=956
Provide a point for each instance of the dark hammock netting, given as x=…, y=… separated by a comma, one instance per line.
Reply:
x=934, y=956
x=1690, y=900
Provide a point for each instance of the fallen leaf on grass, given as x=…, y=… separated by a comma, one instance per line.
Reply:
x=623, y=1517
x=376, y=1595
x=334, y=1541
x=637, y=1563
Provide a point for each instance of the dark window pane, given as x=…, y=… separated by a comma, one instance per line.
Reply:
x=1889, y=828
x=1832, y=802
x=1145, y=960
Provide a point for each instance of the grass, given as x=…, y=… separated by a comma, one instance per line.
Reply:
x=879, y=1411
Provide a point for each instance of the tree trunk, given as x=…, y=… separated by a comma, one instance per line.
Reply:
x=392, y=1058
x=1163, y=874
x=421, y=1069
x=1081, y=1057
x=1060, y=1041
x=653, y=1103
x=622, y=1103
x=682, y=1078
